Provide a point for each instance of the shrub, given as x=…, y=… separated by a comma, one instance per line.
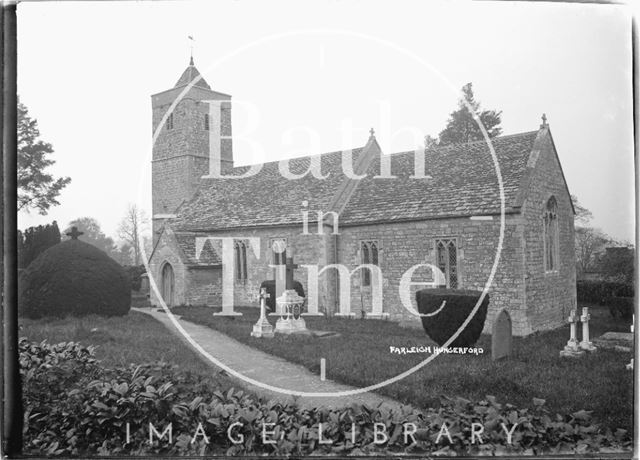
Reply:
x=270, y=286
x=73, y=278
x=620, y=306
x=459, y=305
x=134, y=272
x=89, y=416
x=598, y=291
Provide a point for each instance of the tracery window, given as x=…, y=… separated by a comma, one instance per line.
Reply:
x=550, y=235
x=447, y=260
x=240, y=249
x=368, y=255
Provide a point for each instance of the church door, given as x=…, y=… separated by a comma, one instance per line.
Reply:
x=167, y=284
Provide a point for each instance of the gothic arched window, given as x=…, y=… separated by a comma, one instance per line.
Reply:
x=369, y=255
x=240, y=249
x=206, y=122
x=447, y=260
x=170, y=121
x=550, y=235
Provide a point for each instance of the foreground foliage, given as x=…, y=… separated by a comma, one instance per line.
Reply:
x=73, y=406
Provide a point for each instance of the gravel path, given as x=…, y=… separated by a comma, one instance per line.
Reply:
x=267, y=369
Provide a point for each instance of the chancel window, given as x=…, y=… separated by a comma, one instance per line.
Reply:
x=368, y=255
x=240, y=249
x=447, y=260
x=170, y=121
x=550, y=235
x=206, y=122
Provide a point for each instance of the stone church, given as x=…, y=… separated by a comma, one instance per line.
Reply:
x=450, y=218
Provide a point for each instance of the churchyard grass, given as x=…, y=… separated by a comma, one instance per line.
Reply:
x=122, y=340
x=361, y=356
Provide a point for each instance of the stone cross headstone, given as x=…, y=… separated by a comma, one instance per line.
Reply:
x=501, y=336
x=586, y=342
x=284, y=273
x=290, y=267
x=74, y=233
x=571, y=349
x=262, y=328
x=279, y=247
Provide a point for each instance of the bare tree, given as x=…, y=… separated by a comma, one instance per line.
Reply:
x=131, y=230
x=583, y=215
x=590, y=243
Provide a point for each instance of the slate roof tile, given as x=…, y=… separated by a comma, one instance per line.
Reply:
x=187, y=243
x=463, y=182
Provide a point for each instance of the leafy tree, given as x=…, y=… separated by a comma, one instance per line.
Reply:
x=430, y=141
x=131, y=229
x=34, y=241
x=36, y=188
x=462, y=127
x=617, y=264
x=93, y=235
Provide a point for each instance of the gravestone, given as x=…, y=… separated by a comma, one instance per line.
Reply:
x=501, y=337
x=290, y=305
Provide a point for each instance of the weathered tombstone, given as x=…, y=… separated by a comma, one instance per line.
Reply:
x=501, y=338
x=290, y=305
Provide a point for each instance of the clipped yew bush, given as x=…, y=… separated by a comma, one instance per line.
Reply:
x=74, y=278
x=445, y=322
x=270, y=286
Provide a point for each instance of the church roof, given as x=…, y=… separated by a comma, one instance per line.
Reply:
x=264, y=199
x=190, y=74
x=462, y=182
x=187, y=244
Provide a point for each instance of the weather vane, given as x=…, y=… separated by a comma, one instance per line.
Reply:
x=191, y=41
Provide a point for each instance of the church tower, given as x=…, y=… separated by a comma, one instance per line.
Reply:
x=197, y=127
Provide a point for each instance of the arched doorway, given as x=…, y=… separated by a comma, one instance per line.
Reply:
x=167, y=284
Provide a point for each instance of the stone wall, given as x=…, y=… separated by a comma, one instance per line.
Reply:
x=550, y=295
x=404, y=245
x=205, y=285
x=181, y=154
x=167, y=252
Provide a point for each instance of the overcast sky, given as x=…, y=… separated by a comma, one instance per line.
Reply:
x=86, y=72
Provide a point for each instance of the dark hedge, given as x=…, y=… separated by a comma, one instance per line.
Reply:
x=135, y=272
x=620, y=306
x=270, y=286
x=599, y=291
x=74, y=278
x=443, y=325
